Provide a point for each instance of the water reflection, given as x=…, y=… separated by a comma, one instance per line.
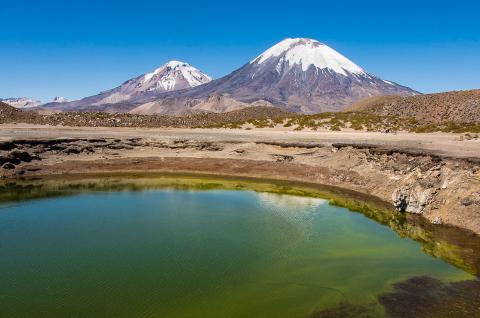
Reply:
x=291, y=202
x=458, y=247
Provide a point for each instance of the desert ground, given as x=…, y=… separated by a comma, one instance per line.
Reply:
x=440, y=144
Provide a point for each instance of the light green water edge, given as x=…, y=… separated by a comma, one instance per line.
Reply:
x=168, y=246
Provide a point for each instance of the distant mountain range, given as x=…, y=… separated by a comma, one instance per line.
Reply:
x=171, y=76
x=301, y=75
x=25, y=102
x=21, y=102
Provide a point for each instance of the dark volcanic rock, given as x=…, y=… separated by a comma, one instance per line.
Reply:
x=20, y=155
x=8, y=166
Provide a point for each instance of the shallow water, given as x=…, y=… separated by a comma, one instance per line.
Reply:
x=183, y=253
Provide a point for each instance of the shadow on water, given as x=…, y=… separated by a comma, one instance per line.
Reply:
x=458, y=247
x=347, y=310
x=428, y=297
x=419, y=297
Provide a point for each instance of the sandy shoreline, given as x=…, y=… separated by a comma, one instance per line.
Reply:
x=435, y=175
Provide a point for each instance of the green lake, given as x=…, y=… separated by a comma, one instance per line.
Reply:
x=205, y=251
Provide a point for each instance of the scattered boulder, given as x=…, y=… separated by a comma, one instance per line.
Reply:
x=437, y=221
x=412, y=200
x=119, y=146
x=209, y=146
x=18, y=156
x=72, y=150
x=466, y=201
x=8, y=166
x=400, y=200
x=283, y=158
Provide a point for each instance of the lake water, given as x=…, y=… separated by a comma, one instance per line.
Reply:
x=198, y=253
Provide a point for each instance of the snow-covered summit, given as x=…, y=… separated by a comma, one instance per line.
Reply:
x=60, y=99
x=171, y=76
x=307, y=52
x=21, y=102
x=172, y=72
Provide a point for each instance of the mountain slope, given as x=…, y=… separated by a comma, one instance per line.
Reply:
x=4, y=108
x=301, y=75
x=456, y=106
x=21, y=102
x=172, y=76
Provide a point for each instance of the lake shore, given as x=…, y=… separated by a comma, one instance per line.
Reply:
x=435, y=175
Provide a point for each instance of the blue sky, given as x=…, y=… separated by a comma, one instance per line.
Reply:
x=78, y=48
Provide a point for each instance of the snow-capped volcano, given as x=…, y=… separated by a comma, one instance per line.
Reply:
x=301, y=75
x=306, y=53
x=21, y=102
x=172, y=76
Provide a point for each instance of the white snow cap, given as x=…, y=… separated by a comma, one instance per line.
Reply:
x=193, y=76
x=60, y=99
x=306, y=52
x=174, y=64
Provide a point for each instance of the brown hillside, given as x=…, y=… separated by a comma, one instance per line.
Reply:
x=456, y=106
x=4, y=107
x=7, y=110
x=10, y=114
